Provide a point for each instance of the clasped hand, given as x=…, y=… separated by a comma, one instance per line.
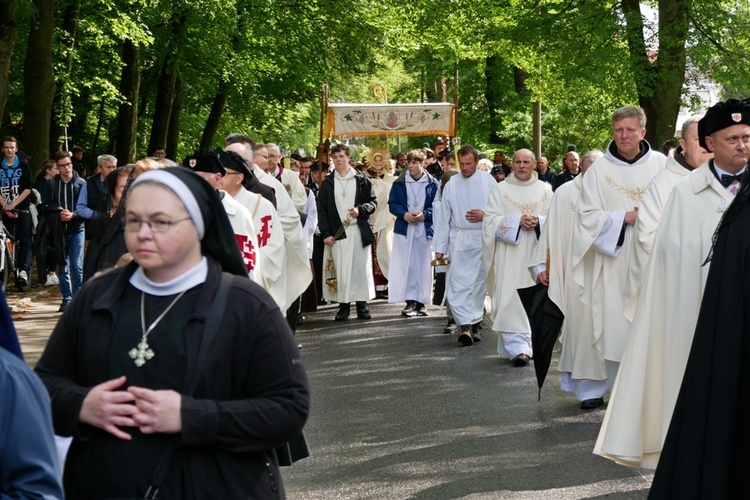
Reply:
x=529, y=221
x=413, y=217
x=151, y=411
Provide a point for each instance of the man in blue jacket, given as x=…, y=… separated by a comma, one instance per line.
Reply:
x=410, y=201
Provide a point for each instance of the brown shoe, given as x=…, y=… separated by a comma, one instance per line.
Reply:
x=521, y=360
x=465, y=336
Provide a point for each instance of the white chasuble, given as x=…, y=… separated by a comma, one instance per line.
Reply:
x=578, y=357
x=465, y=282
x=610, y=188
x=244, y=230
x=507, y=248
x=640, y=408
x=353, y=262
x=649, y=214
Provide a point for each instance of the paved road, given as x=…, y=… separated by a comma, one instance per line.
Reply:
x=401, y=411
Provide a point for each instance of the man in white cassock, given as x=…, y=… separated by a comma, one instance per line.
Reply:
x=688, y=156
x=511, y=227
x=581, y=365
x=607, y=210
x=268, y=231
x=463, y=202
x=656, y=354
x=296, y=274
x=345, y=202
x=411, y=203
x=382, y=225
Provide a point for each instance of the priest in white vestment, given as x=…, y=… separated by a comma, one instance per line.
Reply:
x=581, y=365
x=512, y=223
x=287, y=177
x=681, y=161
x=382, y=224
x=607, y=210
x=463, y=202
x=656, y=354
x=411, y=202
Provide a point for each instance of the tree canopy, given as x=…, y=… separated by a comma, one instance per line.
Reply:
x=125, y=76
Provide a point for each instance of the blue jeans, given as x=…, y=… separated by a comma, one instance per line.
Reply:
x=74, y=263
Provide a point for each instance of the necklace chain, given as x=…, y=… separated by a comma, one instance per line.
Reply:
x=143, y=352
x=413, y=193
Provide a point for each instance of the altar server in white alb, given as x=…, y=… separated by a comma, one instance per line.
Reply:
x=512, y=225
x=656, y=354
x=410, y=201
x=688, y=156
x=464, y=200
x=581, y=365
x=607, y=210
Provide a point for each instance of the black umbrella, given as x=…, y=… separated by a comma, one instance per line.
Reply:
x=546, y=320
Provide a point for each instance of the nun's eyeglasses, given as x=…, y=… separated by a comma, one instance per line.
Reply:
x=133, y=225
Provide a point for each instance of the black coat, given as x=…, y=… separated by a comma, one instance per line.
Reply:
x=365, y=200
x=708, y=437
x=252, y=395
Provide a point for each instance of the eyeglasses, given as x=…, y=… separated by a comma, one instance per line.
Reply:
x=264, y=156
x=133, y=225
x=65, y=165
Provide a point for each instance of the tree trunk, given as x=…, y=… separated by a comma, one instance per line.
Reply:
x=165, y=93
x=69, y=25
x=127, y=115
x=214, y=117
x=491, y=94
x=39, y=84
x=173, y=134
x=8, y=36
x=659, y=77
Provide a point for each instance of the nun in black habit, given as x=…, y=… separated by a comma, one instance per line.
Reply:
x=176, y=375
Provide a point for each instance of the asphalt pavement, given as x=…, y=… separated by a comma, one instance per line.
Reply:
x=401, y=411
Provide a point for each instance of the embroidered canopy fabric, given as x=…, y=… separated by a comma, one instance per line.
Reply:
x=419, y=119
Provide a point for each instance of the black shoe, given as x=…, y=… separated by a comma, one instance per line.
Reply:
x=465, y=336
x=344, y=311
x=521, y=360
x=592, y=404
x=362, y=311
x=420, y=310
x=410, y=309
x=64, y=305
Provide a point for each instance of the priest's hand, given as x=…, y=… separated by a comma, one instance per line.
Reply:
x=543, y=278
x=159, y=410
x=632, y=216
x=354, y=212
x=529, y=221
x=438, y=255
x=329, y=241
x=107, y=408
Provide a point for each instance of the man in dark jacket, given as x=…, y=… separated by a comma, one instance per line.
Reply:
x=345, y=203
x=63, y=191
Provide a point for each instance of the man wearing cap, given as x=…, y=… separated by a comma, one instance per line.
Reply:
x=667, y=310
x=608, y=208
x=459, y=235
x=511, y=227
x=268, y=232
x=440, y=151
x=207, y=165
x=498, y=173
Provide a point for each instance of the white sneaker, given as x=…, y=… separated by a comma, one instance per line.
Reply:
x=22, y=276
x=51, y=280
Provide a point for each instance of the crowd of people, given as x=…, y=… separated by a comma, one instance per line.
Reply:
x=622, y=239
